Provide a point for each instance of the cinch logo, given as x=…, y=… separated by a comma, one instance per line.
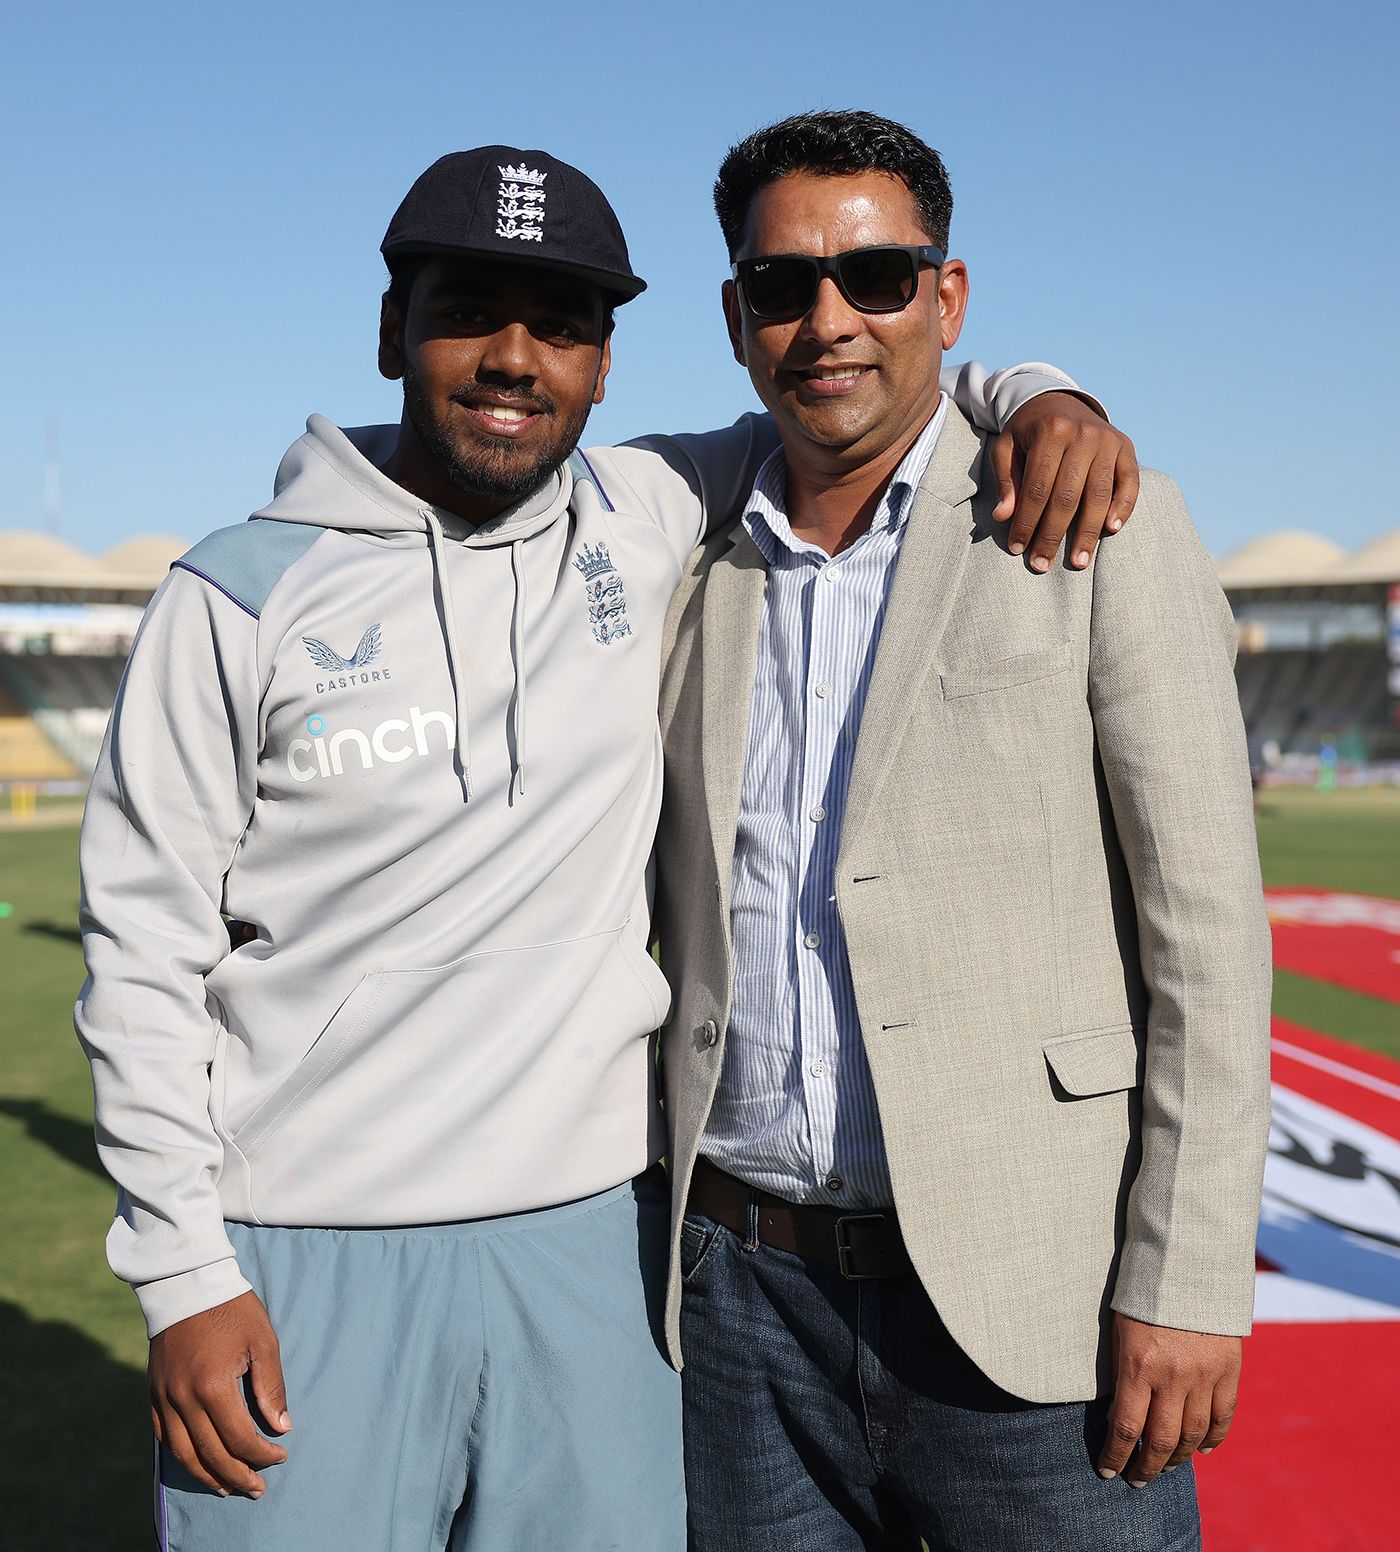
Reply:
x=351, y=670
x=324, y=753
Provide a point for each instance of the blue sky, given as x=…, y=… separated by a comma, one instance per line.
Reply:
x=1191, y=208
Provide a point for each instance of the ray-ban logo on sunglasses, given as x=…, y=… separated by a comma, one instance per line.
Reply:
x=779, y=287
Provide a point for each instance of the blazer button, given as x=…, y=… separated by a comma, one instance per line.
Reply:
x=709, y=1033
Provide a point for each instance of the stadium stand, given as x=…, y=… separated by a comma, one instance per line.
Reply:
x=70, y=699
x=66, y=625
x=26, y=754
x=1319, y=659
x=1303, y=699
x=1318, y=667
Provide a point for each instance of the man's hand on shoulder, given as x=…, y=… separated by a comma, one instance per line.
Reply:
x=1058, y=458
x=1175, y=1394
x=196, y=1372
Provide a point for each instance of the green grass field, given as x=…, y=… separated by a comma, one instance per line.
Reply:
x=74, y=1446
x=1333, y=840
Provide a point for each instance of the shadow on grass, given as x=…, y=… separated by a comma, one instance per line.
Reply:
x=70, y=1139
x=65, y=931
x=75, y=1452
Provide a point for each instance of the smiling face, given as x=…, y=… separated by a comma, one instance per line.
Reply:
x=846, y=388
x=500, y=364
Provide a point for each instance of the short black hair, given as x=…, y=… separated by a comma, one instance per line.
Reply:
x=404, y=268
x=832, y=143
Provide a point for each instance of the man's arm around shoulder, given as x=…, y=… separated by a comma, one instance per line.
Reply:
x=1057, y=457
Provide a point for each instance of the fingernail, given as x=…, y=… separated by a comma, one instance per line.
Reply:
x=284, y=1422
x=1015, y=546
x=1106, y=1474
x=222, y=1492
x=1114, y=524
x=1082, y=558
x=1131, y=1483
x=1039, y=563
x=1207, y=1450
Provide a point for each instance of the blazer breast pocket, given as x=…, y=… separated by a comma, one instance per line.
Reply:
x=1099, y=1061
x=1025, y=668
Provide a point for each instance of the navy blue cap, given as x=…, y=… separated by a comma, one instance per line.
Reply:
x=521, y=207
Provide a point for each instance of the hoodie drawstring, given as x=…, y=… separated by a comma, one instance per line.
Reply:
x=517, y=653
x=449, y=632
x=459, y=679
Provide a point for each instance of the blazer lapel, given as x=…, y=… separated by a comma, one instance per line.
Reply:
x=922, y=592
x=733, y=612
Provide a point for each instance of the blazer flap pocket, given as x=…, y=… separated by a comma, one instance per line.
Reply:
x=1103, y=1061
x=1023, y=669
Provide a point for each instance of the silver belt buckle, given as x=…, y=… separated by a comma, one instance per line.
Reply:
x=845, y=1250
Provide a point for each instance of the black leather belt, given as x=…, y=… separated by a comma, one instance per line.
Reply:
x=860, y=1244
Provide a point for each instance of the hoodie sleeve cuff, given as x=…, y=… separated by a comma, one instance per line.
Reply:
x=170, y=1299
x=990, y=399
x=1013, y=387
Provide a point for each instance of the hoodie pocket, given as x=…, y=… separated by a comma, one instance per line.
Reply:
x=422, y=1070
x=654, y=985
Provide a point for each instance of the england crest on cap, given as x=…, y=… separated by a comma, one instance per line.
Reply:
x=515, y=206
x=520, y=203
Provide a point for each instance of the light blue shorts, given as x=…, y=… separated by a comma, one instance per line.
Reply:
x=496, y=1386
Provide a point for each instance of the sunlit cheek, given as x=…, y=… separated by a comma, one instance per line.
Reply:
x=446, y=361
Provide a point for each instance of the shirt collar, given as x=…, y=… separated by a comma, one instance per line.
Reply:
x=765, y=515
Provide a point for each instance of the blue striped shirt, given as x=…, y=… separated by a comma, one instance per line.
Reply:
x=795, y=1111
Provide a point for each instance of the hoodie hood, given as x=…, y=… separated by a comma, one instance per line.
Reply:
x=331, y=478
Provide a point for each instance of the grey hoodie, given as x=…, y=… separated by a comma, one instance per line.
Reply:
x=423, y=761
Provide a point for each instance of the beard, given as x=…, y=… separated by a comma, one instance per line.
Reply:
x=488, y=468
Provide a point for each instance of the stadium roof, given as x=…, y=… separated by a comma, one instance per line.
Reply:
x=25, y=554
x=1295, y=559
x=1280, y=559
x=39, y=561
x=1378, y=561
x=150, y=556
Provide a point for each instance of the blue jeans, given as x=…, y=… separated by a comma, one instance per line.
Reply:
x=830, y=1415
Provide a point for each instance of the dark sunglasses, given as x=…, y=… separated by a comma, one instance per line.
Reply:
x=782, y=286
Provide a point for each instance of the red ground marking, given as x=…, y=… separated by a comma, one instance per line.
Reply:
x=1306, y=1464
x=1310, y=1453
x=1358, y=1099
x=1348, y=940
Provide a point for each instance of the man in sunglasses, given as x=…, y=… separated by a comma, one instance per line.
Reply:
x=964, y=1243
x=392, y=1161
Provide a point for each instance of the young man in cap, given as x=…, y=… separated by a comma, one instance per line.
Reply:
x=403, y=723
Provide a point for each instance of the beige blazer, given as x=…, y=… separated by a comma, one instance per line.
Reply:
x=1050, y=892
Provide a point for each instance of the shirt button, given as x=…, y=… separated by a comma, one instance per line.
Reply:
x=819, y=1068
x=835, y=1183
x=832, y=573
x=813, y=940
x=823, y=690
x=818, y=814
